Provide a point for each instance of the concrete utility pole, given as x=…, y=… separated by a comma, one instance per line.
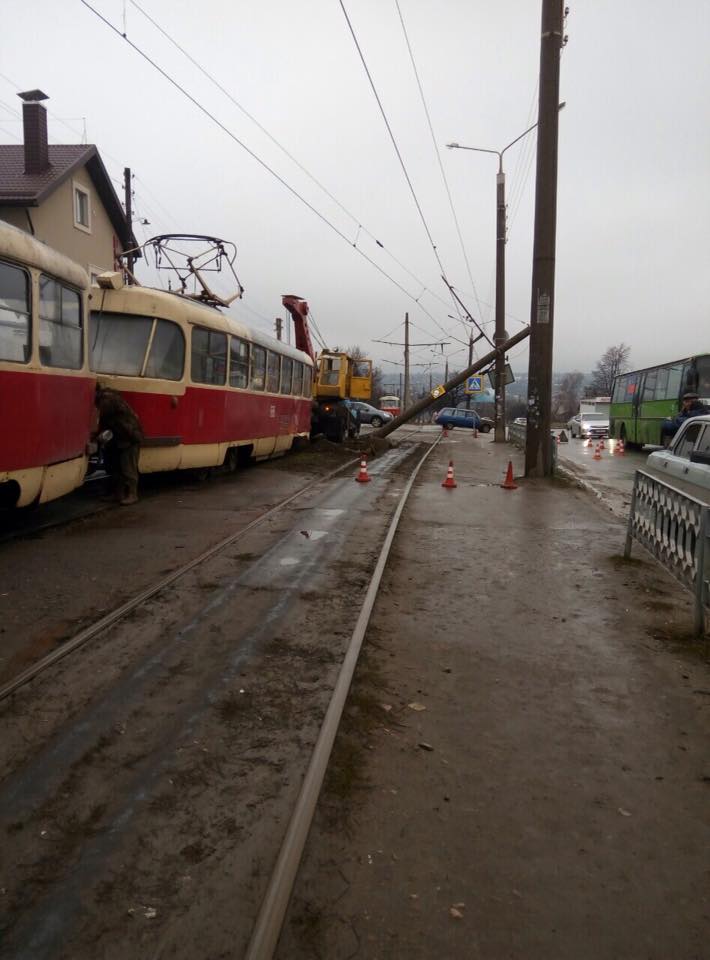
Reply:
x=470, y=361
x=278, y=323
x=460, y=378
x=500, y=335
x=130, y=257
x=407, y=391
x=538, y=449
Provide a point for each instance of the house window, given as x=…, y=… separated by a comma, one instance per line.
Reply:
x=82, y=209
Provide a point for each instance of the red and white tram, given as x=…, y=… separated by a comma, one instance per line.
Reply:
x=46, y=388
x=206, y=388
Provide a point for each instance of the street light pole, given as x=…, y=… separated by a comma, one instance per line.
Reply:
x=500, y=335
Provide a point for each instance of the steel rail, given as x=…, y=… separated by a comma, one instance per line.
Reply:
x=84, y=636
x=269, y=922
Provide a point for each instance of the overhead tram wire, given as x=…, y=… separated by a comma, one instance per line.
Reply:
x=203, y=109
x=356, y=220
x=438, y=155
x=394, y=142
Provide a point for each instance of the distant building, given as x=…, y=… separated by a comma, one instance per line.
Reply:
x=62, y=194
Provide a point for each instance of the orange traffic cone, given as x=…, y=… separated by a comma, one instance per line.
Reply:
x=597, y=452
x=509, y=483
x=445, y=433
x=589, y=442
x=449, y=483
x=363, y=476
x=621, y=449
x=602, y=445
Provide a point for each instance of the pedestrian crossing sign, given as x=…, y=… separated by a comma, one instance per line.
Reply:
x=473, y=385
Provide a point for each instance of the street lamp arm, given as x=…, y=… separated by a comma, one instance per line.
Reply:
x=458, y=146
x=513, y=142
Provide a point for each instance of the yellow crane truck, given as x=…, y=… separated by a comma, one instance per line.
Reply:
x=338, y=378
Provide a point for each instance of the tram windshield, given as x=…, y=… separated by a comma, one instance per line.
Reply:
x=118, y=344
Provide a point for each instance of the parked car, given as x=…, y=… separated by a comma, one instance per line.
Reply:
x=594, y=425
x=688, y=456
x=521, y=421
x=451, y=417
x=369, y=414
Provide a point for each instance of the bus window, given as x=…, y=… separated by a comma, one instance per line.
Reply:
x=297, y=388
x=661, y=383
x=209, y=356
x=620, y=389
x=14, y=314
x=649, y=387
x=675, y=375
x=703, y=386
x=286, y=374
x=633, y=381
x=166, y=360
x=273, y=369
x=60, y=325
x=238, y=363
x=258, y=368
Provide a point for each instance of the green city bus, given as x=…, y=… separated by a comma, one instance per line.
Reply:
x=643, y=399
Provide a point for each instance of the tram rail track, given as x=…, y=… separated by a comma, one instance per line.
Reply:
x=123, y=610
x=269, y=922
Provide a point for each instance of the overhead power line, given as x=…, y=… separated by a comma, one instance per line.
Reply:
x=438, y=155
x=392, y=138
x=203, y=109
x=361, y=228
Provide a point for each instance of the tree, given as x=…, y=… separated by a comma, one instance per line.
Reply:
x=565, y=402
x=614, y=360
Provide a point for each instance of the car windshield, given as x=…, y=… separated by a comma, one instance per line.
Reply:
x=596, y=417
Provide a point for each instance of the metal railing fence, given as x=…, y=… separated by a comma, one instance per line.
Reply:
x=674, y=527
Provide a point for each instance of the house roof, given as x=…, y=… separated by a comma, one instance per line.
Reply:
x=20, y=189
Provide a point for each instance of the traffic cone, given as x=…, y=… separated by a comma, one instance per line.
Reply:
x=509, y=483
x=621, y=449
x=445, y=433
x=363, y=476
x=449, y=483
x=602, y=445
x=589, y=442
x=597, y=452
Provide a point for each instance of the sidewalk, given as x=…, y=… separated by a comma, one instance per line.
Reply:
x=524, y=770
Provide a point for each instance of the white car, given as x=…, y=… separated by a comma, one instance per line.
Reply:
x=688, y=457
x=595, y=425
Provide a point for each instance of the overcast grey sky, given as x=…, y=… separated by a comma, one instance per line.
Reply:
x=633, y=237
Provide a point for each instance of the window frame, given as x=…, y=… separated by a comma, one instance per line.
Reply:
x=210, y=333
x=77, y=189
x=30, y=299
x=253, y=366
x=268, y=378
x=63, y=286
x=285, y=361
x=242, y=342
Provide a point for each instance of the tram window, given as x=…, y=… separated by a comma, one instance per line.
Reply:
x=117, y=342
x=166, y=360
x=307, y=381
x=286, y=374
x=273, y=368
x=297, y=378
x=209, y=356
x=14, y=314
x=60, y=340
x=258, y=368
x=238, y=363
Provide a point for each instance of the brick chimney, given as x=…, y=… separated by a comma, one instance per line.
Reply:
x=34, y=122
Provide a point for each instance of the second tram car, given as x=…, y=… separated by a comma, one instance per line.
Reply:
x=46, y=389
x=207, y=389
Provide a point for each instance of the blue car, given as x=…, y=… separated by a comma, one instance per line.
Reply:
x=451, y=417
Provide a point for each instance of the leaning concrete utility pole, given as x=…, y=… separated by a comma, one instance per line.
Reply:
x=438, y=392
x=538, y=449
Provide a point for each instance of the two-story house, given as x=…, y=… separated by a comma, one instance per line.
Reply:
x=62, y=194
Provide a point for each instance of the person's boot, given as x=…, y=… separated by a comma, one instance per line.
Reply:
x=131, y=496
